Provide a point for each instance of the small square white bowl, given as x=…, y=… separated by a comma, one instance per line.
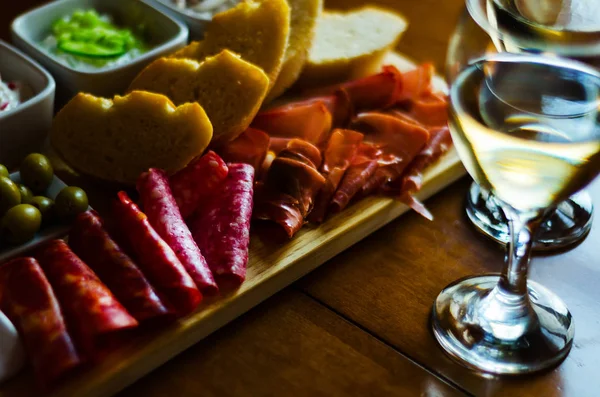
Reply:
x=163, y=34
x=23, y=129
x=56, y=230
x=195, y=22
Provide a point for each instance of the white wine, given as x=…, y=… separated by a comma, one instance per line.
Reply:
x=527, y=130
x=569, y=28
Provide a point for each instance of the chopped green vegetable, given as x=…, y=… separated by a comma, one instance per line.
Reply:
x=86, y=33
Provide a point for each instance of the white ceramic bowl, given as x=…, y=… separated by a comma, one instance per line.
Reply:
x=24, y=128
x=163, y=33
x=56, y=230
x=196, y=23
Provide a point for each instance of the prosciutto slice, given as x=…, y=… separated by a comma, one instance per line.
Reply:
x=417, y=82
x=398, y=142
x=287, y=195
x=361, y=170
x=249, y=148
x=341, y=149
x=377, y=91
x=430, y=109
x=307, y=120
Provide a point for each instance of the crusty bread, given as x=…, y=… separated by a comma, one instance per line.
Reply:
x=350, y=45
x=228, y=88
x=117, y=139
x=304, y=14
x=257, y=30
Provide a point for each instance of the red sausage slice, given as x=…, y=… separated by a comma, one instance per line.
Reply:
x=92, y=243
x=198, y=181
x=156, y=259
x=91, y=310
x=29, y=302
x=163, y=214
x=222, y=229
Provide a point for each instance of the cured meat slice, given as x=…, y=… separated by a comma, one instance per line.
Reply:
x=439, y=143
x=354, y=179
x=339, y=105
x=377, y=91
x=412, y=179
x=163, y=214
x=92, y=243
x=340, y=151
x=288, y=192
x=29, y=302
x=249, y=148
x=222, y=228
x=310, y=121
x=154, y=256
x=430, y=109
x=92, y=312
x=302, y=151
x=417, y=82
x=277, y=144
x=398, y=140
x=199, y=180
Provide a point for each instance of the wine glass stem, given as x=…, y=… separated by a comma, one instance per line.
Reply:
x=522, y=228
x=506, y=312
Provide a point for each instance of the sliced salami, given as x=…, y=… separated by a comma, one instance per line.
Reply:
x=198, y=181
x=29, y=302
x=154, y=256
x=222, y=228
x=92, y=312
x=163, y=214
x=93, y=244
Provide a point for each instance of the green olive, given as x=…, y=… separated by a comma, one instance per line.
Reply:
x=70, y=202
x=37, y=172
x=45, y=206
x=3, y=170
x=20, y=223
x=9, y=194
x=26, y=194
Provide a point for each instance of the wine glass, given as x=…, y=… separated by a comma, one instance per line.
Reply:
x=527, y=129
x=551, y=27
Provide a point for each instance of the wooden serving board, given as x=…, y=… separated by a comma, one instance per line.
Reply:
x=271, y=268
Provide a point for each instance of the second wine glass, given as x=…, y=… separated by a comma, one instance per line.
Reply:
x=489, y=26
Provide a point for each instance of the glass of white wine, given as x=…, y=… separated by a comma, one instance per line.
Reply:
x=567, y=28
x=527, y=129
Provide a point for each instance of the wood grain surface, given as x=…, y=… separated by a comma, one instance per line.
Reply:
x=360, y=322
x=290, y=346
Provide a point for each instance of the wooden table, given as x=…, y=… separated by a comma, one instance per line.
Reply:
x=359, y=324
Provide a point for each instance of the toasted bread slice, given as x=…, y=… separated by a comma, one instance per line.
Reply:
x=228, y=88
x=350, y=45
x=117, y=139
x=302, y=30
x=257, y=30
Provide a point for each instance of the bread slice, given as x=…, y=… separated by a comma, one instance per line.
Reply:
x=302, y=30
x=350, y=45
x=257, y=30
x=118, y=139
x=228, y=88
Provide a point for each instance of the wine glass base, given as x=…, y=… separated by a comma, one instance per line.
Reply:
x=495, y=347
x=564, y=228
